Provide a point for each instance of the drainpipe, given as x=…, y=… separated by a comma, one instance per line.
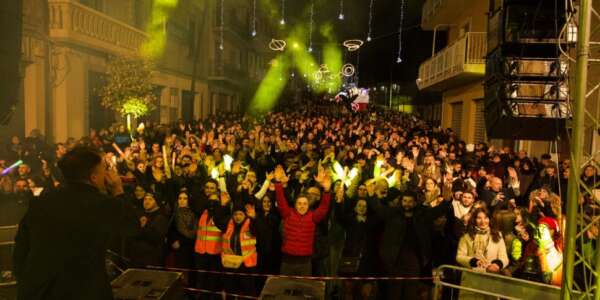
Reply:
x=435, y=33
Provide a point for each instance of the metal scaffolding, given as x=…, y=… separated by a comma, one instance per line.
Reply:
x=581, y=269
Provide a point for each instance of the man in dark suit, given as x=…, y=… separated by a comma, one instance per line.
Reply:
x=62, y=240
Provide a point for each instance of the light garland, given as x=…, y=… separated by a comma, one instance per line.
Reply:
x=399, y=58
x=341, y=15
x=370, y=19
x=277, y=45
x=352, y=45
x=222, y=32
x=310, y=26
x=282, y=22
x=348, y=70
x=254, y=18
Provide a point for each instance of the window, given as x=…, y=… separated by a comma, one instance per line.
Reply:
x=174, y=105
x=456, y=124
x=480, y=134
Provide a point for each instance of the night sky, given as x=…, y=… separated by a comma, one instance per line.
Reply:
x=378, y=57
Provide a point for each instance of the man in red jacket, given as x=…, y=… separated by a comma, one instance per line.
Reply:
x=299, y=225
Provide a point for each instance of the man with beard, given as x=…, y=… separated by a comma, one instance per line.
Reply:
x=405, y=248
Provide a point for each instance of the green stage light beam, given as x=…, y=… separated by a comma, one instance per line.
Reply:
x=154, y=46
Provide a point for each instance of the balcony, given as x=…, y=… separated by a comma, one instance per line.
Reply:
x=442, y=12
x=75, y=23
x=459, y=63
x=227, y=72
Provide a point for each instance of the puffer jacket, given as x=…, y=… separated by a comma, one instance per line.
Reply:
x=299, y=230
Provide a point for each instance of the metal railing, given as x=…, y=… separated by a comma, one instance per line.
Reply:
x=492, y=285
x=69, y=19
x=451, y=61
x=7, y=237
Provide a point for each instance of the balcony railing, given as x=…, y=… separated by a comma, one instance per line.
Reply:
x=77, y=23
x=463, y=60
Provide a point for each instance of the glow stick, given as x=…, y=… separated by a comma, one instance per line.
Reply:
x=12, y=167
x=227, y=160
x=214, y=173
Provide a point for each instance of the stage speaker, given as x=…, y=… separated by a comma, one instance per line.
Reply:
x=518, y=22
x=530, y=118
x=11, y=15
x=292, y=289
x=140, y=284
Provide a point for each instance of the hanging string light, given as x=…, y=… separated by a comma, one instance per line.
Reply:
x=341, y=16
x=370, y=19
x=222, y=31
x=254, y=18
x=282, y=22
x=399, y=58
x=310, y=26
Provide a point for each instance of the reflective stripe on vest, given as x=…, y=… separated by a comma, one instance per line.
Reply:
x=208, y=236
x=247, y=243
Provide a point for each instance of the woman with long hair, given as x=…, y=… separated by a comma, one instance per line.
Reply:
x=482, y=246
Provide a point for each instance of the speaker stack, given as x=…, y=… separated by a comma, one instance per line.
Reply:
x=526, y=85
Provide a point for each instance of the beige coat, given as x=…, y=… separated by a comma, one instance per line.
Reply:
x=493, y=251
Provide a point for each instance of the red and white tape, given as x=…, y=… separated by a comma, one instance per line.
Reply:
x=288, y=276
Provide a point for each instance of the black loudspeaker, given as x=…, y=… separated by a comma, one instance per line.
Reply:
x=141, y=284
x=11, y=15
x=292, y=289
x=526, y=84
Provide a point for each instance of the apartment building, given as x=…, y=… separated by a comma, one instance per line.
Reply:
x=66, y=45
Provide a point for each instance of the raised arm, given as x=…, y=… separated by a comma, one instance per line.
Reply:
x=282, y=204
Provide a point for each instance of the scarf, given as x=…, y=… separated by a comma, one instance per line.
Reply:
x=460, y=210
x=480, y=243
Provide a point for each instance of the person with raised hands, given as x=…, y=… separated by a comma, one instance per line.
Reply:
x=299, y=224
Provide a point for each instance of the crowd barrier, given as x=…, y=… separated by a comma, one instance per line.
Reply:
x=481, y=285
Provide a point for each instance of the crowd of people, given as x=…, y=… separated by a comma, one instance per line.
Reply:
x=312, y=193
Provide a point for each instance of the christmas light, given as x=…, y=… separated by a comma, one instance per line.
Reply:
x=341, y=15
x=222, y=32
x=310, y=26
x=399, y=58
x=254, y=18
x=370, y=19
x=282, y=22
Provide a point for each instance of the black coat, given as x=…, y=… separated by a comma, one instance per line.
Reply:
x=61, y=244
x=395, y=227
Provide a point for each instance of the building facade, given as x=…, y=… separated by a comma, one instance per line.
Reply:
x=67, y=44
x=457, y=72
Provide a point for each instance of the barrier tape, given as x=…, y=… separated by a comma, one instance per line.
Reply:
x=223, y=294
x=287, y=276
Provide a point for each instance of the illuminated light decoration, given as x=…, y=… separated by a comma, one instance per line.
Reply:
x=348, y=70
x=227, y=160
x=277, y=45
x=310, y=26
x=353, y=45
x=282, y=22
x=222, y=31
x=12, y=167
x=253, y=17
x=399, y=58
x=341, y=15
x=370, y=20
